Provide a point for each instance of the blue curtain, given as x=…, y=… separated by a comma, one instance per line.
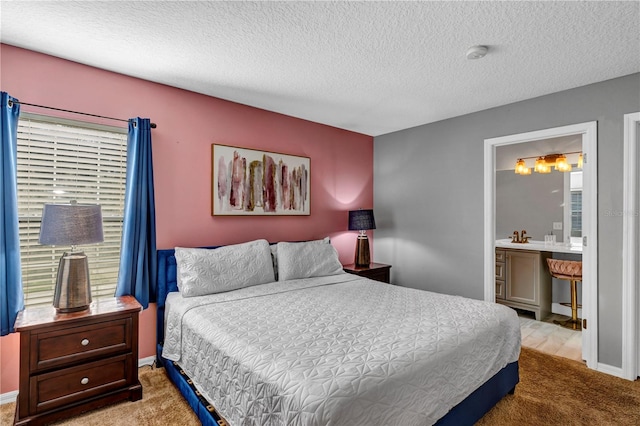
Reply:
x=137, y=274
x=11, y=298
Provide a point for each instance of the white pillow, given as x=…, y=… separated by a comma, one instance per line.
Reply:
x=208, y=271
x=274, y=252
x=308, y=259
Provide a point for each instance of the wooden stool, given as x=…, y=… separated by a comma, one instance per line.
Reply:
x=569, y=270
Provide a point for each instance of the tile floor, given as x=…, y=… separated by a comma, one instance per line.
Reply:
x=550, y=338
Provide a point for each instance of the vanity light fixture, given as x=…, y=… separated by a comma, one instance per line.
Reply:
x=541, y=166
x=544, y=163
x=521, y=167
x=562, y=165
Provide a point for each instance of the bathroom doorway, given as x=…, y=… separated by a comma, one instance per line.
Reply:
x=587, y=132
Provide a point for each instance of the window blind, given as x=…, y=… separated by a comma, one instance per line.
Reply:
x=576, y=213
x=59, y=161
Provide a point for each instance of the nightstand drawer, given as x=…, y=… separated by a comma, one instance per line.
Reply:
x=69, y=345
x=375, y=271
x=69, y=385
x=377, y=274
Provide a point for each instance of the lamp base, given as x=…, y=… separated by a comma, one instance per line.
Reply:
x=362, y=258
x=73, y=289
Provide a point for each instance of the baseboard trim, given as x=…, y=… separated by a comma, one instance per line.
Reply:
x=146, y=361
x=557, y=308
x=8, y=397
x=611, y=370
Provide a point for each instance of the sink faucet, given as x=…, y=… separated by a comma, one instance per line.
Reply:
x=520, y=238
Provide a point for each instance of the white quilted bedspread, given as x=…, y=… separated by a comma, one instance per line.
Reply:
x=337, y=350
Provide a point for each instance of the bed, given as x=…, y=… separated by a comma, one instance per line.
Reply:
x=333, y=349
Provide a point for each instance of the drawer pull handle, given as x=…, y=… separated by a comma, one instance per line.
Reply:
x=85, y=342
x=84, y=380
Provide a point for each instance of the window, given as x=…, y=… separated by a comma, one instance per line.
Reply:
x=575, y=188
x=573, y=207
x=59, y=161
x=576, y=213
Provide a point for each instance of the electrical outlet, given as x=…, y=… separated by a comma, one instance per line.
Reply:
x=557, y=225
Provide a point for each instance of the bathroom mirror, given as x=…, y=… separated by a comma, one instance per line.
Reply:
x=541, y=203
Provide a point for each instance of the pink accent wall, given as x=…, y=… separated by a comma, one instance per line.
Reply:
x=188, y=123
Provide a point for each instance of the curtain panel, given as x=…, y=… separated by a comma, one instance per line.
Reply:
x=137, y=275
x=11, y=297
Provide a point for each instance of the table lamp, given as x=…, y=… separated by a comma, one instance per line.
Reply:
x=71, y=224
x=362, y=220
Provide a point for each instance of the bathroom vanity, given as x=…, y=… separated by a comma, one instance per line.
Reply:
x=522, y=275
x=535, y=245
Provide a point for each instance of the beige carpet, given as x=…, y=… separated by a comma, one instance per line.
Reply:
x=552, y=391
x=559, y=391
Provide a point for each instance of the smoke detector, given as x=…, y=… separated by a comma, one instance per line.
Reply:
x=477, y=52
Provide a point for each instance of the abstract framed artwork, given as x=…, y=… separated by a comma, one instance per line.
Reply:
x=248, y=182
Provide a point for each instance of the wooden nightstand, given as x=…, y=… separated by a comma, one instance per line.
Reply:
x=71, y=363
x=375, y=271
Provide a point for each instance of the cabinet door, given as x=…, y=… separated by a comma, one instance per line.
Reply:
x=500, y=276
x=500, y=289
x=500, y=271
x=522, y=277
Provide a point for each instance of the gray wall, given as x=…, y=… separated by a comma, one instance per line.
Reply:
x=428, y=192
x=531, y=202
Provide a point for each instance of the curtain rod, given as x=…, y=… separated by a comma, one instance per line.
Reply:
x=153, y=125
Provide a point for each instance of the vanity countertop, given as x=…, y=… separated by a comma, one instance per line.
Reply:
x=539, y=246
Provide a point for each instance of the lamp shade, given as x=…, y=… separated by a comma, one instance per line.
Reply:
x=361, y=220
x=71, y=224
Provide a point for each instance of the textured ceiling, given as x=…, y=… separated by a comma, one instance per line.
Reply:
x=370, y=67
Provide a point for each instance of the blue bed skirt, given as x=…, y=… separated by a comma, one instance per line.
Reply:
x=205, y=412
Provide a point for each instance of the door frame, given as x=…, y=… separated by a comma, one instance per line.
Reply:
x=630, y=296
x=589, y=132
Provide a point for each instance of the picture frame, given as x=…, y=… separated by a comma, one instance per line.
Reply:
x=250, y=182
